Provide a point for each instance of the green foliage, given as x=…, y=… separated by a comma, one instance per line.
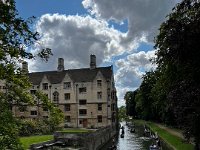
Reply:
x=144, y=102
x=171, y=93
x=178, y=57
x=15, y=38
x=122, y=113
x=130, y=103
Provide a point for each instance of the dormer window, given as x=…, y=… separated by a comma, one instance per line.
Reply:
x=99, y=83
x=67, y=85
x=45, y=86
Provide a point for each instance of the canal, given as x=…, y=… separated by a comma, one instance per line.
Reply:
x=133, y=141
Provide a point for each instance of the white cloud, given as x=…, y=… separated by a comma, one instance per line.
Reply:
x=130, y=70
x=74, y=38
x=144, y=16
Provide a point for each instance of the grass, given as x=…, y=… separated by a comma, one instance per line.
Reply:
x=174, y=141
x=27, y=141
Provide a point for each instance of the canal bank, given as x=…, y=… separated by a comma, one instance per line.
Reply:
x=171, y=137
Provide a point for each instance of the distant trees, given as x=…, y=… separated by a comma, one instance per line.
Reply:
x=122, y=113
x=15, y=38
x=130, y=103
x=171, y=93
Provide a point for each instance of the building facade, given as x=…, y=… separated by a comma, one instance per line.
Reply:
x=87, y=96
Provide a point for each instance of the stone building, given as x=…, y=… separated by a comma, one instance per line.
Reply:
x=87, y=96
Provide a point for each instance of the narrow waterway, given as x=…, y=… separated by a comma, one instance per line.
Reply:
x=132, y=141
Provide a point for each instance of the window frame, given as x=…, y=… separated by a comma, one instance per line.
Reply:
x=82, y=101
x=45, y=86
x=99, y=95
x=67, y=96
x=99, y=83
x=66, y=85
x=34, y=114
x=100, y=118
x=82, y=112
x=67, y=107
x=100, y=106
x=55, y=96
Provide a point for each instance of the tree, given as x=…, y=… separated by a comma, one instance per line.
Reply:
x=144, y=101
x=122, y=113
x=178, y=56
x=130, y=103
x=15, y=38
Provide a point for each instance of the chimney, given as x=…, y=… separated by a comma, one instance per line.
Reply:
x=24, y=67
x=60, y=64
x=92, y=61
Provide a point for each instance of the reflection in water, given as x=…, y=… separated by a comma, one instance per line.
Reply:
x=132, y=141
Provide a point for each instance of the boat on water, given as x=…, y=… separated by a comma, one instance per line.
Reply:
x=154, y=147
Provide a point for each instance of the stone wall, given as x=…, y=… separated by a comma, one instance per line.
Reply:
x=87, y=141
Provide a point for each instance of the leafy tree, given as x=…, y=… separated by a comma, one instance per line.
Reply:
x=15, y=38
x=178, y=56
x=122, y=113
x=161, y=105
x=130, y=103
x=144, y=101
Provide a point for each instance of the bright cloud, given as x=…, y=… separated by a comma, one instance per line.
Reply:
x=131, y=69
x=144, y=16
x=76, y=37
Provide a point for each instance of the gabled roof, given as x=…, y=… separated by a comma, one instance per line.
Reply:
x=77, y=75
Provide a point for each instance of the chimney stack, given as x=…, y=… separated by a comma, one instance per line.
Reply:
x=24, y=67
x=60, y=64
x=92, y=61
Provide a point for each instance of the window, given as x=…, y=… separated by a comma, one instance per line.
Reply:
x=33, y=91
x=82, y=102
x=99, y=117
x=67, y=85
x=82, y=112
x=99, y=106
x=45, y=109
x=33, y=113
x=67, y=119
x=67, y=107
x=56, y=96
x=99, y=95
x=80, y=121
x=45, y=86
x=67, y=96
x=99, y=83
x=113, y=107
x=82, y=90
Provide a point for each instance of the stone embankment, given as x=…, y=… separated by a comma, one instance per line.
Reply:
x=85, y=141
